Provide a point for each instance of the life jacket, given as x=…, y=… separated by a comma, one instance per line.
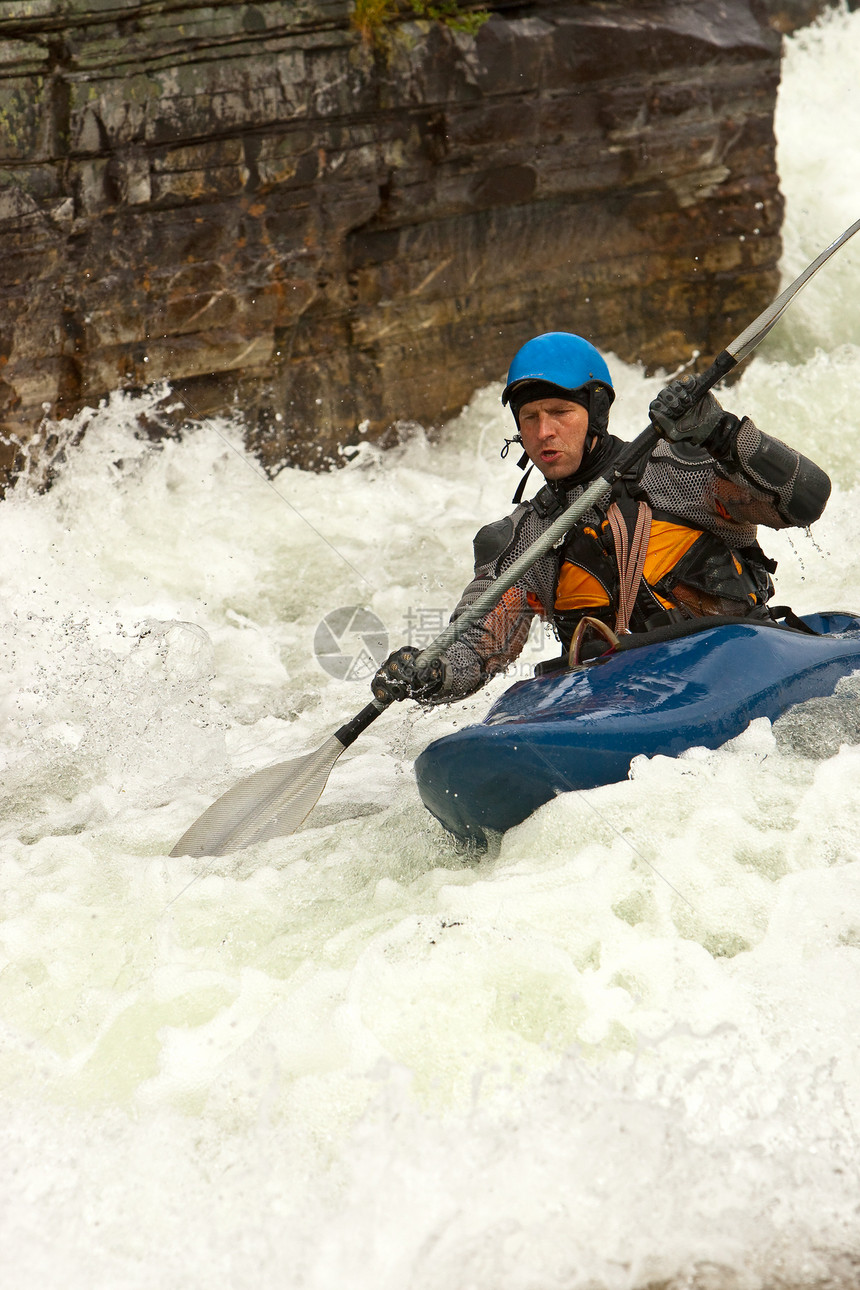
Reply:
x=680, y=572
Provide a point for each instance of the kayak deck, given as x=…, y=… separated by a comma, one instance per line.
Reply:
x=580, y=728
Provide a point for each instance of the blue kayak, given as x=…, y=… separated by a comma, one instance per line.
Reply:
x=581, y=727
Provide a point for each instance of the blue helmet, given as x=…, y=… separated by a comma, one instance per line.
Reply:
x=561, y=359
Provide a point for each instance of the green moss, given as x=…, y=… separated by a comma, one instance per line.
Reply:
x=451, y=13
x=371, y=17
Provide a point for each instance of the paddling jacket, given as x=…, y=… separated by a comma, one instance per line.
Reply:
x=700, y=552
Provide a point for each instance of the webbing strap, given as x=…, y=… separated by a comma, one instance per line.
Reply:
x=630, y=555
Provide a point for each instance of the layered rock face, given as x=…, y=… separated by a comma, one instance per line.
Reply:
x=252, y=203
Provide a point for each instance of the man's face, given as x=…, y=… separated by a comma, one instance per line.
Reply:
x=553, y=432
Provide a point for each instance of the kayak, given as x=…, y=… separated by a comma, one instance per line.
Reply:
x=694, y=685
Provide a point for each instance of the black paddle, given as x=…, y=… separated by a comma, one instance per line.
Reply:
x=274, y=802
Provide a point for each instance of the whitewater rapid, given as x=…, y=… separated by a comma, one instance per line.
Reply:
x=620, y=1050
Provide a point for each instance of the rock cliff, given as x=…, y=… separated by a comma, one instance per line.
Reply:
x=254, y=204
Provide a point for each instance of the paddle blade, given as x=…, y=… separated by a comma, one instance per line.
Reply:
x=271, y=803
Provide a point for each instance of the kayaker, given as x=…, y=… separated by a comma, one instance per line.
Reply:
x=676, y=540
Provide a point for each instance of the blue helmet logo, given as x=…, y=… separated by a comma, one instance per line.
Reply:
x=559, y=358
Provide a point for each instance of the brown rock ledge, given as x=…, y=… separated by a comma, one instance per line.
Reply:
x=253, y=204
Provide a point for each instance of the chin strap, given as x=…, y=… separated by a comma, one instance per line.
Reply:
x=517, y=497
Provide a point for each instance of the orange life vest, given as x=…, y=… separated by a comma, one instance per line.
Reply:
x=687, y=572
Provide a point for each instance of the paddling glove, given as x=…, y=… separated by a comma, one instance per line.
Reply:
x=680, y=413
x=401, y=678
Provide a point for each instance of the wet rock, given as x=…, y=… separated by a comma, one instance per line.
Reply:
x=254, y=205
x=787, y=15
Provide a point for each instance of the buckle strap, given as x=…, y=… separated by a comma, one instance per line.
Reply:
x=630, y=555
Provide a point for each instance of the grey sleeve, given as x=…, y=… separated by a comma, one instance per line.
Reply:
x=798, y=487
x=491, y=645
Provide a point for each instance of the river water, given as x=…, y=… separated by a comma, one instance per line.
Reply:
x=620, y=1050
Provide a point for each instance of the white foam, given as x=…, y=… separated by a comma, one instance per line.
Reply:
x=619, y=1050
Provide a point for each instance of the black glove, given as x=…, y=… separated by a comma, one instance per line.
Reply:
x=400, y=678
x=678, y=412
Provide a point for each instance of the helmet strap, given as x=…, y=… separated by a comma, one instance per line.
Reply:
x=518, y=495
